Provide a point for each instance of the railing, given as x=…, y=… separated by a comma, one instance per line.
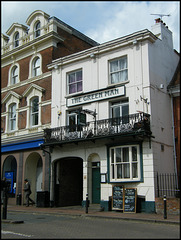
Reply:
x=135, y=123
x=168, y=184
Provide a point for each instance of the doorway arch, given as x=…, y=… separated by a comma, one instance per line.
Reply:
x=68, y=187
x=10, y=165
x=34, y=173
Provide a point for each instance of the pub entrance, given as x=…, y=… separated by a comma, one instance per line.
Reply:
x=68, y=182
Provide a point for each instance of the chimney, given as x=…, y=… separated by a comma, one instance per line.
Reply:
x=160, y=30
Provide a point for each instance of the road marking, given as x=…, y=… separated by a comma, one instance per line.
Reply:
x=19, y=234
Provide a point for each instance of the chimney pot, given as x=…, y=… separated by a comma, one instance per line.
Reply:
x=157, y=20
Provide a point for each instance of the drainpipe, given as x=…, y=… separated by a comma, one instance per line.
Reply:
x=173, y=129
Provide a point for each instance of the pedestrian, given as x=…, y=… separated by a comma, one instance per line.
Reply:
x=27, y=190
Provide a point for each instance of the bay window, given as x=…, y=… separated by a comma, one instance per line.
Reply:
x=125, y=163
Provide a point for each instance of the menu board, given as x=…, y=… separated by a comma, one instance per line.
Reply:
x=117, y=197
x=130, y=195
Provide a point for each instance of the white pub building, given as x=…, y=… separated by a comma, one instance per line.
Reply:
x=111, y=119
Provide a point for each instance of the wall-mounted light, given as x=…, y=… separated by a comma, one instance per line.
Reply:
x=92, y=55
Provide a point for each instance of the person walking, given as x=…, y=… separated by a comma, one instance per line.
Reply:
x=27, y=190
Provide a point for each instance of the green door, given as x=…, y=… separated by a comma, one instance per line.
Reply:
x=96, y=185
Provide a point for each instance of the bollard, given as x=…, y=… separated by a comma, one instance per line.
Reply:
x=165, y=207
x=86, y=204
x=4, y=204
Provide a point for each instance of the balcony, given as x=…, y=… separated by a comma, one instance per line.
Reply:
x=134, y=124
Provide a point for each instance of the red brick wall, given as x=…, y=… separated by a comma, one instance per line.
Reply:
x=173, y=205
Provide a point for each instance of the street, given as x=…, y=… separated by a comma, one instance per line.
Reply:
x=48, y=226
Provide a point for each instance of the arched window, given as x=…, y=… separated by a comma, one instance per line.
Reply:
x=14, y=75
x=12, y=117
x=34, y=113
x=16, y=39
x=37, y=29
x=36, y=67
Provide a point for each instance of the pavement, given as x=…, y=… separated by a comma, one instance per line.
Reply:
x=93, y=211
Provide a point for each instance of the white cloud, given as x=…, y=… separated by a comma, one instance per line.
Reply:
x=100, y=20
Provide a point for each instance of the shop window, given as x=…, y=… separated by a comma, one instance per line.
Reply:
x=118, y=70
x=34, y=113
x=14, y=75
x=12, y=117
x=37, y=29
x=16, y=39
x=74, y=81
x=124, y=163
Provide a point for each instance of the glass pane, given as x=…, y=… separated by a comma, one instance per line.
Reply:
x=112, y=168
x=112, y=155
x=125, y=114
x=37, y=63
x=119, y=171
x=123, y=63
x=123, y=76
x=35, y=105
x=126, y=169
x=71, y=77
x=115, y=78
x=114, y=66
x=79, y=76
x=134, y=153
x=118, y=154
x=134, y=170
x=125, y=154
x=35, y=119
x=72, y=88
x=79, y=86
x=116, y=112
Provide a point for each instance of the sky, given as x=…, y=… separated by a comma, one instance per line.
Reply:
x=100, y=20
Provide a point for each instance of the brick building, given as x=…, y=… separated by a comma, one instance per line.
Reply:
x=26, y=83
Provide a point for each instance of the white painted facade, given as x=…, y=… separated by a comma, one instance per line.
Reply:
x=151, y=63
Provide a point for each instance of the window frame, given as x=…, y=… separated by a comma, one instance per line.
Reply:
x=76, y=82
x=118, y=71
x=37, y=30
x=36, y=69
x=14, y=78
x=12, y=119
x=16, y=39
x=113, y=169
x=34, y=114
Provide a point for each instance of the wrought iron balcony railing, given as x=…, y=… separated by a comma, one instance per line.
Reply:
x=134, y=123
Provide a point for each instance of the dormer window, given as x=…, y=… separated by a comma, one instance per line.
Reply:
x=16, y=39
x=37, y=29
x=14, y=75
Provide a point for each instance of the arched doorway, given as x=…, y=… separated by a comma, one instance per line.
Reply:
x=68, y=182
x=94, y=178
x=10, y=166
x=34, y=173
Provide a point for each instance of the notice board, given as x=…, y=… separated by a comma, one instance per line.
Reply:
x=117, y=197
x=130, y=195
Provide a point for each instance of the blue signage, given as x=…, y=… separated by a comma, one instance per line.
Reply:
x=9, y=178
